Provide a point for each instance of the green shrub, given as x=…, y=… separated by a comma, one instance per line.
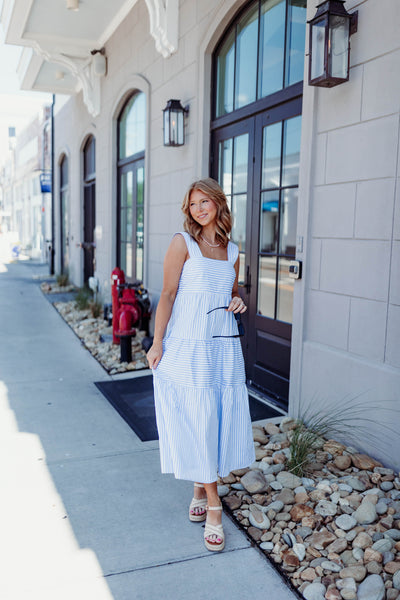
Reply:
x=82, y=298
x=96, y=307
x=62, y=279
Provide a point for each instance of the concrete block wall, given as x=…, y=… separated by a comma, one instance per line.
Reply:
x=346, y=346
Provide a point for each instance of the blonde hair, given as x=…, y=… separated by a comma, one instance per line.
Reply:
x=213, y=190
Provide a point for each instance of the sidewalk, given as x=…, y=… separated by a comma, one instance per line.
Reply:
x=85, y=513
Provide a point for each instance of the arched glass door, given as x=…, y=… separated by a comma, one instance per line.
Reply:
x=64, y=215
x=256, y=126
x=131, y=152
x=89, y=208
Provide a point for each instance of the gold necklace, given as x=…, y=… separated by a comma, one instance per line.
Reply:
x=208, y=243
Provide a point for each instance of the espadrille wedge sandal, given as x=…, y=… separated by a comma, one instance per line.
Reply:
x=199, y=503
x=217, y=544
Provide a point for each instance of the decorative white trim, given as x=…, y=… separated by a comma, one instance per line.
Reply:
x=82, y=69
x=164, y=25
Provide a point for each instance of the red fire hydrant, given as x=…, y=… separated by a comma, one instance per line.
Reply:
x=127, y=312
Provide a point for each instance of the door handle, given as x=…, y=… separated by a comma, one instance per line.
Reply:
x=247, y=285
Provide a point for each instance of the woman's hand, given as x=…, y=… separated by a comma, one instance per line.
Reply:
x=154, y=355
x=237, y=305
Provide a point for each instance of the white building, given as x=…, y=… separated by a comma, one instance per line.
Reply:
x=26, y=203
x=311, y=173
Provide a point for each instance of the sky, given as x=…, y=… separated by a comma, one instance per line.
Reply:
x=17, y=108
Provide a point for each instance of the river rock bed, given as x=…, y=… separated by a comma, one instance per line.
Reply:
x=90, y=330
x=335, y=534
x=51, y=287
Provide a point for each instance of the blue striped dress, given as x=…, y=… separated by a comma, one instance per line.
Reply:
x=200, y=392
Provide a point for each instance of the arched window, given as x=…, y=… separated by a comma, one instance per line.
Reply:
x=130, y=205
x=89, y=208
x=262, y=54
x=255, y=129
x=64, y=214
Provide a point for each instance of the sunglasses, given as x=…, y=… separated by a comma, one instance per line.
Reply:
x=238, y=318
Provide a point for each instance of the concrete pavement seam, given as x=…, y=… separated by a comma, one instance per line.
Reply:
x=178, y=561
x=99, y=456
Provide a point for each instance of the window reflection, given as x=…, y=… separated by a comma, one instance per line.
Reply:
x=246, y=59
x=271, y=165
x=296, y=37
x=239, y=205
x=240, y=163
x=225, y=76
x=266, y=286
x=288, y=221
x=225, y=165
x=272, y=44
x=132, y=132
x=291, y=151
x=269, y=221
x=285, y=292
x=240, y=62
x=139, y=222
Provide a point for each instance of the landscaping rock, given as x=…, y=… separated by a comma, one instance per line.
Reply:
x=267, y=546
x=299, y=511
x=329, y=530
x=254, y=482
x=366, y=513
x=258, y=518
x=356, y=572
x=362, y=540
x=315, y=591
x=288, y=480
x=396, y=580
x=342, y=462
x=346, y=522
x=286, y=496
x=326, y=508
x=372, y=588
x=233, y=502
x=364, y=462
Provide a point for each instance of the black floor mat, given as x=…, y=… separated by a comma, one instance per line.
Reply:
x=133, y=399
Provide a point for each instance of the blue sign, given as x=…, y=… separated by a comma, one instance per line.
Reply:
x=45, y=182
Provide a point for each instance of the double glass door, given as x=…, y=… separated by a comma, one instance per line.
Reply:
x=257, y=164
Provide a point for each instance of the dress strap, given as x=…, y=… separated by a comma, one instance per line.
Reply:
x=233, y=252
x=192, y=246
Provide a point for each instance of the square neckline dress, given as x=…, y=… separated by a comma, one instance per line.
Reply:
x=201, y=398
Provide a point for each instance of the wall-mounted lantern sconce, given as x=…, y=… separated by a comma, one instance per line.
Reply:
x=174, y=123
x=329, y=44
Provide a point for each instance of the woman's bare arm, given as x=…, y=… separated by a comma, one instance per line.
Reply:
x=236, y=304
x=173, y=263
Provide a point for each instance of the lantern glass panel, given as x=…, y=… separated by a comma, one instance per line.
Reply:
x=166, y=128
x=176, y=128
x=339, y=46
x=318, y=33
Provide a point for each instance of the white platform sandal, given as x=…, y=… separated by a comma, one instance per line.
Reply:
x=198, y=503
x=217, y=530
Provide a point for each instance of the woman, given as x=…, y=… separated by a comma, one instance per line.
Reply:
x=199, y=382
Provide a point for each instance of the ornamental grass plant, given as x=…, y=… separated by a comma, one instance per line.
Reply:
x=347, y=422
